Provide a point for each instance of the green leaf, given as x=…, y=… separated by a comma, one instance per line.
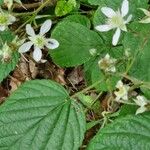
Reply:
x=1, y=2
x=128, y=133
x=75, y=42
x=7, y=67
x=64, y=7
x=40, y=115
x=79, y=19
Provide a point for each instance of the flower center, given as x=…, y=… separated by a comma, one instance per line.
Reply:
x=39, y=41
x=3, y=19
x=117, y=20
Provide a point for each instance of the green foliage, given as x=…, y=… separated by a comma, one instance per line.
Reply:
x=7, y=67
x=140, y=34
x=78, y=19
x=130, y=132
x=75, y=42
x=64, y=7
x=40, y=115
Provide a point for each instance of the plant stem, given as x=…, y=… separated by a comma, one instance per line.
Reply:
x=34, y=15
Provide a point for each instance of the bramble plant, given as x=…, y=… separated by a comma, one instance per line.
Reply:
x=84, y=84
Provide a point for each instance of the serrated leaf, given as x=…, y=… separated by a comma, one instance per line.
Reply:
x=40, y=115
x=75, y=42
x=128, y=133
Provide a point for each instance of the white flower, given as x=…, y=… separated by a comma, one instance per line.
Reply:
x=142, y=102
x=5, y=53
x=146, y=19
x=115, y=20
x=39, y=41
x=107, y=64
x=5, y=20
x=122, y=92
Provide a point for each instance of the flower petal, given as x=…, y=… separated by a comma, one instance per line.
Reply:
x=141, y=101
x=128, y=19
x=30, y=30
x=141, y=110
x=37, y=54
x=108, y=12
x=45, y=27
x=52, y=43
x=103, y=28
x=116, y=37
x=124, y=8
x=146, y=12
x=25, y=47
x=2, y=28
x=147, y=20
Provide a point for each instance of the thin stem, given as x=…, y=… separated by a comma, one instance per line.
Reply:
x=86, y=89
x=34, y=15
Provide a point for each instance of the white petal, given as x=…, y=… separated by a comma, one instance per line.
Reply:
x=37, y=54
x=45, y=27
x=52, y=43
x=141, y=110
x=141, y=100
x=103, y=28
x=128, y=19
x=30, y=30
x=125, y=8
x=12, y=19
x=119, y=84
x=147, y=20
x=116, y=37
x=25, y=47
x=146, y=12
x=2, y=28
x=108, y=12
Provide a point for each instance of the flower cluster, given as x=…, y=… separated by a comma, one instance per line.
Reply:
x=115, y=20
x=107, y=64
x=122, y=91
x=39, y=41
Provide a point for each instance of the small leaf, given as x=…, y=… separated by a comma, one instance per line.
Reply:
x=128, y=133
x=40, y=115
x=75, y=42
x=64, y=7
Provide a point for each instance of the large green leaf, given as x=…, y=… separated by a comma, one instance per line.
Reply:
x=75, y=42
x=128, y=133
x=40, y=115
x=7, y=67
